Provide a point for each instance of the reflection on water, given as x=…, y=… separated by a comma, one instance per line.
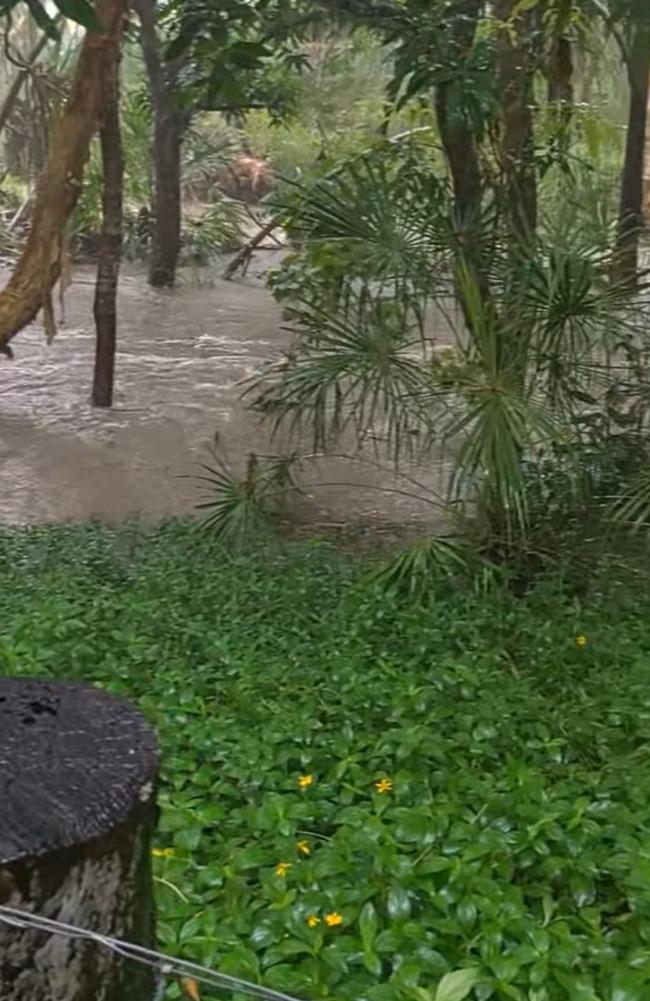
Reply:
x=182, y=357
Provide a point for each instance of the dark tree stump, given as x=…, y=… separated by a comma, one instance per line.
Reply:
x=78, y=771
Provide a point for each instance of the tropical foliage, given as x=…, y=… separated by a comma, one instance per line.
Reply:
x=361, y=797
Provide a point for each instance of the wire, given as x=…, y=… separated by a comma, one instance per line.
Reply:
x=167, y=966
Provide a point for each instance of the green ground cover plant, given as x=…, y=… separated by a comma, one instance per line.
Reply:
x=362, y=797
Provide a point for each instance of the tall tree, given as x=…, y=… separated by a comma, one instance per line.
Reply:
x=630, y=222
x=30, y=287
x=110, y=243
x=170, y=124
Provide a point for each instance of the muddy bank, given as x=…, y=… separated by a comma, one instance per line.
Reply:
x=182, y=358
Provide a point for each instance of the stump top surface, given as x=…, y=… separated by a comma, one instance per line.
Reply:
x=74, y=761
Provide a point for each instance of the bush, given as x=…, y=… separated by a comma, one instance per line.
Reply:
x=361, y=797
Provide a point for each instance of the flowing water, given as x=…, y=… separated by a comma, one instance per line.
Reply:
x=182, y=358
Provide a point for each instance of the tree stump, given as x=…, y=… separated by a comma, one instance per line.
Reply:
x=78, y=772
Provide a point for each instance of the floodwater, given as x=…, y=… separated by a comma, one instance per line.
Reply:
x=183, y=356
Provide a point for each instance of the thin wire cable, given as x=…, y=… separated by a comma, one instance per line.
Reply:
x=167, y=966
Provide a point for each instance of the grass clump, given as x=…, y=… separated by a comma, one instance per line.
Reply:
x=364, y=798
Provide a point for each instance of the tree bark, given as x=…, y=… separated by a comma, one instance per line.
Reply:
x=78, y=810
x=456, y=132
x=646, y=167
x=30, y=287
x=170, y=124
x=560, y=89
x=630, y=219
x=110, y=245
x=515, y=74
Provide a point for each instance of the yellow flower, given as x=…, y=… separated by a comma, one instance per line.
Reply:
x=312, y=920
x=282, y=868
x=384, y=786
x=305, y=781
x=334, y=919
x=304, y=847
x=163, y=852
x=581, y=641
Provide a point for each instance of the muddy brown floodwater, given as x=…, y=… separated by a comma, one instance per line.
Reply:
x=182, y=358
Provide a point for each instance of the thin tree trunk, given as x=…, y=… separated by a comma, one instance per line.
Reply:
x=646, y=167
x=169, y=128
x=461, y=151
x=30, y=287
x=18, y=81
x=515, y=75
x=560, y=89
x=630, y=220
x=456, y=132
x=110, y=246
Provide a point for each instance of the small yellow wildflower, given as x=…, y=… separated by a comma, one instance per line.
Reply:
x=334, y=919
x=282, y=868
x=305, y=781
x=312, y=920
x=163, y=852
x=384, y=786
x=304, y=847
x=581, y=641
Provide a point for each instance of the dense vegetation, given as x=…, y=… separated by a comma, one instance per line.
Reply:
x=361, y=797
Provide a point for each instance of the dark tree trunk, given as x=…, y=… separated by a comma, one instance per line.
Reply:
x=458, y=139
x=77, y=788
x=167, y=201
x=560, y=88
x=630, y=219
x=170, y=124
x=110, y=246
x=456, y=132
x=515, y=75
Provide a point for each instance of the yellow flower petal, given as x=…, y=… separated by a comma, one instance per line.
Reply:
x=384, y=786
x=581, y=641
x=333, y=919
x=304, y=847
x=305, y=781
x=312, y=920
x=282, y=868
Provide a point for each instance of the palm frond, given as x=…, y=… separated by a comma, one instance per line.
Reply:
x=239, y=508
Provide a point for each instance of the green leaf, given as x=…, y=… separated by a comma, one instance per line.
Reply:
x=368, y=925
x=457, y=985
x=628, y=986
x=521, y=6
x=399, y=902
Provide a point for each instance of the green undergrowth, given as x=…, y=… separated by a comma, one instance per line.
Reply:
x=364, y=798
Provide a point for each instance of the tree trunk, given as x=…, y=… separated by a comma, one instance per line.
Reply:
x=559, y=74
x=456, y=132
x=630, y=218
x=77, y=789
x=110, y=245
x=646, y=167
x=30, y=287
x=515, y=76
x=560, y=89
x=169, y=127
x=13, y=93
x=458, y=139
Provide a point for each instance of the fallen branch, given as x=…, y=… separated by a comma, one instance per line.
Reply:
x=241, y=259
